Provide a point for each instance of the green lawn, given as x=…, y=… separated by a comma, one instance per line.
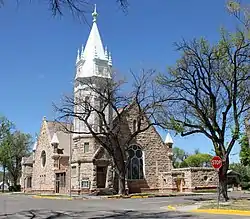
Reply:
x=231, y=205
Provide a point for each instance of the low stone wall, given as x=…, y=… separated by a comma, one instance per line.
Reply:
x=189, y=179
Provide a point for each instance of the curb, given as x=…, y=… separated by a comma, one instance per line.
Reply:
x=127, y=197
x=149, y=196
x=171, y=208
x=51, y=197
x=221, y=211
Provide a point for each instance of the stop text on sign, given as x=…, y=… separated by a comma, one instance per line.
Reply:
x=216, y=162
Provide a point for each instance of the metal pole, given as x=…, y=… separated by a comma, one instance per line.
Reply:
x=218, y=190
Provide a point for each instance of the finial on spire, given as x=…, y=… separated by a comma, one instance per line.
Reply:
x=82, y=51
x=94, y=14
x=110, y=59
x=106, y=53
x=78, y=56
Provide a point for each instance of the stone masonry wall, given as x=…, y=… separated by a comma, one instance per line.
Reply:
x=165, y=181
x=185, y=174
x=82, y=161
x=27, y=171
x=156, y=153
x=196, y=178
x=64, y=163
x=203, y=178
x=43, y=177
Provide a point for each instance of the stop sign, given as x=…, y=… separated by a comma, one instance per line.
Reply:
x=216, y=162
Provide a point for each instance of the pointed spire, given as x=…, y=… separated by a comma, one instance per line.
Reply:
x=34, y=146
x=78, y=56
x=110, y=59
x=93, y=50
x=169, y=140
x=94, y=14
x=54, y=140
x=82, y=51
x=106, y=53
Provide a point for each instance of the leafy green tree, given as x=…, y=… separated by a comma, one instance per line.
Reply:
x=197, y=160
x=245, y=151
x=208, y=93
x=5, y=127
x=17, y=146
x=244, y=172
x=5, y=130
x=179, y=155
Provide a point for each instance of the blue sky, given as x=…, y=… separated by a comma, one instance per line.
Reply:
x=38, y=51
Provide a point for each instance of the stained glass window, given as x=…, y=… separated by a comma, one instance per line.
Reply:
x=135, y=163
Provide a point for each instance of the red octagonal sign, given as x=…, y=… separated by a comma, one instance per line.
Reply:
x=216, y=162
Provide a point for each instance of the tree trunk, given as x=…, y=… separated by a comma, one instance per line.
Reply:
x=223, y=179
x=122, y=189
x=15, y=181
x=4, y=170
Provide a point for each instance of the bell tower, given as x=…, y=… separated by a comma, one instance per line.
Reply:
x=93, y=70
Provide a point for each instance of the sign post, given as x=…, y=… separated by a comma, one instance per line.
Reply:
x=217, y=164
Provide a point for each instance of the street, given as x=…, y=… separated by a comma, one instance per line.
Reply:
x=20, y=206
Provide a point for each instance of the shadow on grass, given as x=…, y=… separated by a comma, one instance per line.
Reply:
x=97, y=215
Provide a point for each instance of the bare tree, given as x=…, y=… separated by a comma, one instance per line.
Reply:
x=112, y=132
x=241, y=12
x=210, y=90
x=78, y=8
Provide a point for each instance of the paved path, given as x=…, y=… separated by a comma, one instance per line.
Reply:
x=14, y=206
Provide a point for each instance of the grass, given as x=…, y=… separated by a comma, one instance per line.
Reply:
x=241, y=204
x=206, y=191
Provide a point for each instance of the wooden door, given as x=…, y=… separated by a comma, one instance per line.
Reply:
x=101, y=177
x=57, y=186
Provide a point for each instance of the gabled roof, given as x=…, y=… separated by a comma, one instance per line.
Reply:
x=28, y=160
x=64, y=138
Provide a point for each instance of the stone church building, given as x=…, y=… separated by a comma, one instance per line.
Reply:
x=63, y=162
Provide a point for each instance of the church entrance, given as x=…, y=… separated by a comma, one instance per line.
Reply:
x=60, y=182
x=101, y=176
x=57, y=186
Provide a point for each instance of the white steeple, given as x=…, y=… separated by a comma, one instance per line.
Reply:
x=168, y=139
x=34, y=146
x=86, y=65
x=54, y=140
x=95, y=63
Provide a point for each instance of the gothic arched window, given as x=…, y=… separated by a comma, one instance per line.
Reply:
x=135, y=162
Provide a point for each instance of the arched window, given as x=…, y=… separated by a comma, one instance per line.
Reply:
x=43, y=157
x=135, y=162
